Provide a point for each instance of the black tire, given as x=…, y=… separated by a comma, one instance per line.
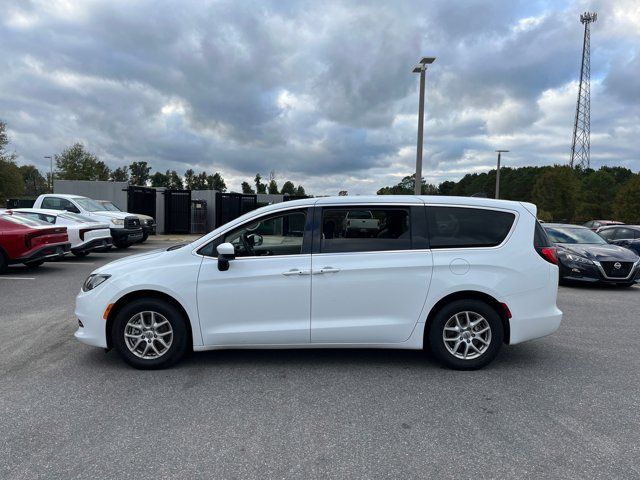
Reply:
x=437, y=344
x=145, y=235
x=178, y=346
x=626, y=285
x=3, y=262
x=34, y=263
x=121, y=245
x=80, y=254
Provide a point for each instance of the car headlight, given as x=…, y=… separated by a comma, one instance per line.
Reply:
x=93, y=281
x=117, y=221
x=572, y=257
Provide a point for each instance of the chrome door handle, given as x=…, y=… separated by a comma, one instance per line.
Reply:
x=297, y=272
x=327, y=270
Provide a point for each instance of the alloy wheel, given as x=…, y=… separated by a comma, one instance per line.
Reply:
x=148, y=335
x=467, y=335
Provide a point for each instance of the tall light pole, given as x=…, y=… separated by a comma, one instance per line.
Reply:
x=498, y=173
x=50, y=172
x=421, y=68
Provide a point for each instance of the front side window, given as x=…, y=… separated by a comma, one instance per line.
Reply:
x=268, y=236
x=461, y=227
x=365, y=230
x=608, y=233
x=623, y=234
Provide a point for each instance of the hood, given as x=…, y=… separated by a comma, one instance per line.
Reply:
x=600, y=253
x=126, y=262
x=141, y=217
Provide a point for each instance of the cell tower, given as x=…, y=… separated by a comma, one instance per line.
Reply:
x=581, y=145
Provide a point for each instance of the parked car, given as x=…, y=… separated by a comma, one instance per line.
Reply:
x=125, y=228
x=596, y=224
x=627, y=236
x=459, y=292
x=85, y=234
x=360, y=223
x=28, y=241
x=585, y=256
x=148, y=223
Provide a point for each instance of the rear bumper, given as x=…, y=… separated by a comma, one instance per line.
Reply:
x=46, y=252
x=95, y=244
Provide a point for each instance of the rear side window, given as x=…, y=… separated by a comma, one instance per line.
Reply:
x=460, y=227
x=56, y=203
x=362, y=229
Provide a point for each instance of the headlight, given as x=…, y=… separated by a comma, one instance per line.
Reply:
x=572, y=257
x=117, y=221
x=93, y=281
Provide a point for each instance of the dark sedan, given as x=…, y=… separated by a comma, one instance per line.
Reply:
x=627, y=236
x=585, y=256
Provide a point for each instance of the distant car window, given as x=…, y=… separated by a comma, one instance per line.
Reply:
x=623, y=234
x=458, y=227
x=53, y=203
x=589, y=224
x=110, y=206
x=365, y=230
x=76, y=217
x=574, y=235
x=607, y=233
x=275, y=235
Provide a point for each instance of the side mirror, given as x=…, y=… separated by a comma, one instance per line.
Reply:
x=226, y=252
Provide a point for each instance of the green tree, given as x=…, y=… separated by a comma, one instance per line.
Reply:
x=272, y=188
x=627, y=202
x=76, y=163
x=246, y=188
x=598, y=192
x=260, y=187
x=140, y=172
x=11, y=183
x=446, y=187
x=216, y=182
x=406, y=186
x=174, y=180
x=189, y=179
x=288, y=188
x=120, y=174
x=300, y=191
x=34, y=183
x=160, y=179
x=556, y=192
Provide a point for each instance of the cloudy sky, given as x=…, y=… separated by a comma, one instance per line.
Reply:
x=321, y=92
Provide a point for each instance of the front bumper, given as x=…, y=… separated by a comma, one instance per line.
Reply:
x=90, y=308
x=95, y=244
x=126, y=235
x=594, y=273
x=45, y=252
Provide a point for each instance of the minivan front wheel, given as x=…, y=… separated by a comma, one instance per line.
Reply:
x=149, y=334
x=466, y=334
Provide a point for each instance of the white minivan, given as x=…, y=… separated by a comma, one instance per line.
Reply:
x=456, y=276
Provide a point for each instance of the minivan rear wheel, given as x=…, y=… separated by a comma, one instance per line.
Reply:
x=150, y=334
x=466, y=334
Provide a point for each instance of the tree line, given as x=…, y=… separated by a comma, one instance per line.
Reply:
x=76, y=163
x=562, y=194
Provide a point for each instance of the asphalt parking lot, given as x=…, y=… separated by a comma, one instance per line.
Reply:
x=567, y=405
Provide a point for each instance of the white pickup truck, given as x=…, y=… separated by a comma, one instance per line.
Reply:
x=124, y=227
x=360, y=223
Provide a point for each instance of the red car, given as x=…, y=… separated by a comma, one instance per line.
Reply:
x=23, y=240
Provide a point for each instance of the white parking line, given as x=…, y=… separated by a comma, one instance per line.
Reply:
x=17, y=278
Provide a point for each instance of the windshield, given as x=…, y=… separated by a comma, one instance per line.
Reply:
x=110, y=206
x=574, y=235
x=89, y=205
x=76, y=217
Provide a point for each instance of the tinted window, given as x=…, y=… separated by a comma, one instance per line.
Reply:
x=574, y=235
x=623, y=234
x=454, y=227
x=607, y=233
x=540, y=238
x=54, y=203
x=275, y=235
x=365, y=230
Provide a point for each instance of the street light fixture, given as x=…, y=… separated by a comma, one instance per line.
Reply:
x=498, y=173
x=50, y=172
x=421, y=68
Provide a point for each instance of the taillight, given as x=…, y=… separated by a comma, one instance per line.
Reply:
x=549, y=254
